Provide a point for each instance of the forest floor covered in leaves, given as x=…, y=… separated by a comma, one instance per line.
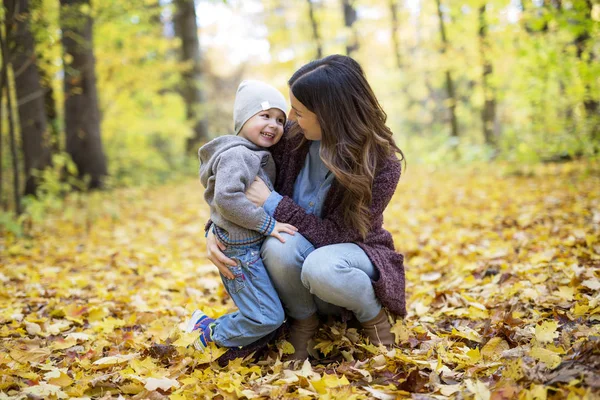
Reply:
x=503, y=294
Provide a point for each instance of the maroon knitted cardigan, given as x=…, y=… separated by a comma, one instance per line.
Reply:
x=331, y=229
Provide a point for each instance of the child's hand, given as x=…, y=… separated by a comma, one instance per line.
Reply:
x=281, y=227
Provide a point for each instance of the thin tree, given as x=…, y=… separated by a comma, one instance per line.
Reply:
x=583, y=43
x=82, y=115
x=488, y=113
x=52, y=116
x=2, y=67
x=393, y=4
x=449, y=82
x=30, y=94
x=350, y=17
x=11, y=123
x=186, y=28
x=536, y=24
x=315, y=28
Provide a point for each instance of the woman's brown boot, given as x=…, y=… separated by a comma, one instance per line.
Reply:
x=378, y=330
x=301, y=331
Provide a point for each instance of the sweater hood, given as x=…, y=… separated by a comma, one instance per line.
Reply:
x=211, y=151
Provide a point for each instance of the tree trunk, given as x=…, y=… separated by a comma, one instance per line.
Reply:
x=349, y=20
x=82, y=115
x=488, y=113
x=449, y=82
x=51, y=113
x=2, y=75
x=30, y=94
x=186, y=29
x=315, y=29
x=11, y=121
x=395, y=41
x=52, y=116
x=591, y=104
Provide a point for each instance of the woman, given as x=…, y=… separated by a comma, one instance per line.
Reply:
x=337, y=170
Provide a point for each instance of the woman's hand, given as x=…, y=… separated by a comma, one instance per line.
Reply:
x=258, y=192
x=214, y=250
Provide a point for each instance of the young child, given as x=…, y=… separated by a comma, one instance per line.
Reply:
x=228, y=166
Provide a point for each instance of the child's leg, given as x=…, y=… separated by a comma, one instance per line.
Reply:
x=260, y=310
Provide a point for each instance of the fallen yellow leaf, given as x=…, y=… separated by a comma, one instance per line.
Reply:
x=548, y=357
x=546, y=331
x=493, y=349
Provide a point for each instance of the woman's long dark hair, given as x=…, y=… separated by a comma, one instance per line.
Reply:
x=355, y=137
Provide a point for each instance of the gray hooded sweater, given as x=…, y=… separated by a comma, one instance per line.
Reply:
x=228, y=165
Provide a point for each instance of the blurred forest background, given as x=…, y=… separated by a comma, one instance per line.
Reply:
x=121, y=93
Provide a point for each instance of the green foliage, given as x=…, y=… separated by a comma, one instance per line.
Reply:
x=144, y=125
x=544, y=79
x=10, y=224
x=54, y=183
x=544, y=72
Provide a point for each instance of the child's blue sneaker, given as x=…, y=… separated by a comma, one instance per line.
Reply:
x=203, y=323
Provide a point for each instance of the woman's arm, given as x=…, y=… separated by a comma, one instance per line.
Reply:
x=332, y=229
x=319, y=231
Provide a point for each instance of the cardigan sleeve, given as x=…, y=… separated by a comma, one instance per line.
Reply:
x=332, y=229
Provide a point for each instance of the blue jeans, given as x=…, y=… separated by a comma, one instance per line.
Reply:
x=259, y=309
x=325, y=280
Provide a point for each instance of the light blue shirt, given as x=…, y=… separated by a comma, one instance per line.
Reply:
x=311, y=186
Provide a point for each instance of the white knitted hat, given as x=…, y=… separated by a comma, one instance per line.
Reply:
x=253, y=97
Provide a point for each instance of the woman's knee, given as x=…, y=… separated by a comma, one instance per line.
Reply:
x=272, y=248
x=282, y=256
x=318, y=269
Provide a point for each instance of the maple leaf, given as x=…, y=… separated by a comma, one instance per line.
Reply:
x=401, y=333
x=63, y=380
x=210, y=354
x=113, y=360
x=493, y=348
x=479, y=389
x=161, y=383
x=287, y=347
x=546, y=331
x=328, y=381
x=548, y=357
x=45, y=390
x=29, y=354
x=593, y=284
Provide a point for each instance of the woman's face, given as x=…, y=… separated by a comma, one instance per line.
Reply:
x=306, y=119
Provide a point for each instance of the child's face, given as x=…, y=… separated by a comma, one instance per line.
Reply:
x=265, y=128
